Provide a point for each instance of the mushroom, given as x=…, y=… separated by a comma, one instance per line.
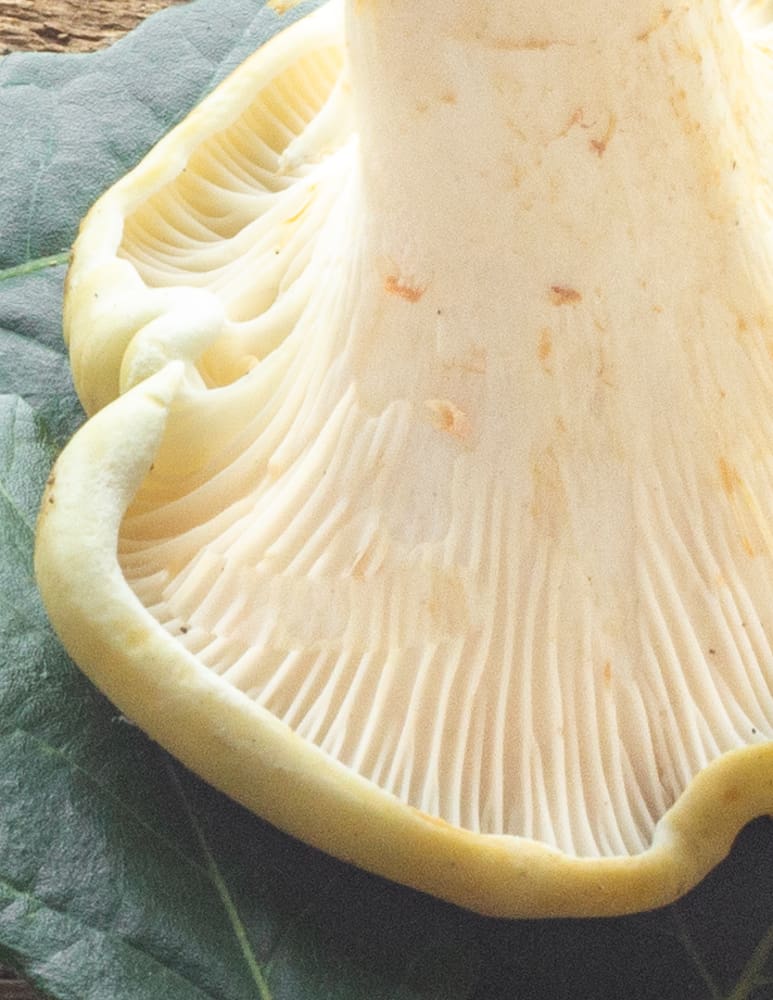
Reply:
x=426, y=507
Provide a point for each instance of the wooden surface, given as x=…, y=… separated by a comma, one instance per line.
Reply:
x=69, y=25
x=12, y=988
x=64, y=26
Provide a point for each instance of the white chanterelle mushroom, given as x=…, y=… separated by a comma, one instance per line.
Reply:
x=428, y=510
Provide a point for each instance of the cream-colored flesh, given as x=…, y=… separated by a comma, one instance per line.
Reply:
x=467, y=479
x=500, y=538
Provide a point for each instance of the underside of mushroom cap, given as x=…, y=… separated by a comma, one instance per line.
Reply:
x=428, y=506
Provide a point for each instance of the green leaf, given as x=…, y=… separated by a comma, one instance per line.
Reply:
x=122, y=876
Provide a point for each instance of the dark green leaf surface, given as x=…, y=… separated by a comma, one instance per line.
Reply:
x=122, y=877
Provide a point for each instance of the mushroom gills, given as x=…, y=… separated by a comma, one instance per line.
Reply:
x=425, y=503
x=489, y=525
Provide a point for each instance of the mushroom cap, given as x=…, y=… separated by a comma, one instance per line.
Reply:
x=446, y=553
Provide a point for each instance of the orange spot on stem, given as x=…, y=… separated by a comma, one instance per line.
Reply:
x=599, y=146
x=396, y=286
x=665, y=14
x=449, y=419
x=545, y=349
x=729, y=476
x=474, y=360
x=560, y=295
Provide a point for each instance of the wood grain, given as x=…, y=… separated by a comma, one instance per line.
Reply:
x=69, y=25
x=12, y=988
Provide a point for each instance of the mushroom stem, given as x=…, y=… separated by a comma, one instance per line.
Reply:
x=538, y=173
x=516, y=138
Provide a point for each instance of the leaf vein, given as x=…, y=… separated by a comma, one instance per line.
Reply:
x=38, y=904
x=222, y=890
x=54, y=751
x=36, y=264
x=751, y=980
x=686, y=940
